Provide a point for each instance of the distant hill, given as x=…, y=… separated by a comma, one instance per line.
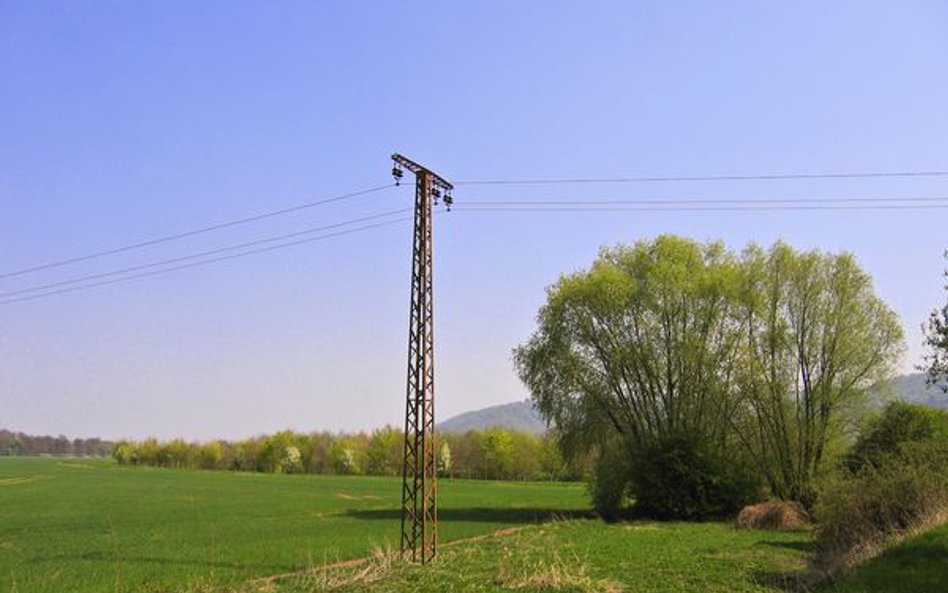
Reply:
x=516, y=416
x=523, y=416
x=912, y=388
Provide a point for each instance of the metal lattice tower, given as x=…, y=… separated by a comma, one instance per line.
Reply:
x=419, y=472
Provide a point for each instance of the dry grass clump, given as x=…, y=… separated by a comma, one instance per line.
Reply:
x=549, y=574
x=363, y=571
x=778, y=515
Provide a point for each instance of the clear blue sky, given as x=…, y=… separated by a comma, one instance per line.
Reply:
x=123, y=121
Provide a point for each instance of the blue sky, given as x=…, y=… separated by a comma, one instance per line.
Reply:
x=126, y=121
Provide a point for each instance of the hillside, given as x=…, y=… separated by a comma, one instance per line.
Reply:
x=514, y=416
x=913, y=389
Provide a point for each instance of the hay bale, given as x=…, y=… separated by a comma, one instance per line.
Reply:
x=778, y=515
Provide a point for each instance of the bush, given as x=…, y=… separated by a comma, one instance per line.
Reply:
x=900, y=423
x=678, y=477
x=895, y=495
x=611, y=484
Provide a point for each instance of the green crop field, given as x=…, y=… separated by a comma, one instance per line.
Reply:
x=75, y=525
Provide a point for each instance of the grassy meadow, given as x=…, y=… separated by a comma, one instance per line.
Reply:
x=584, y=556
x=588, y=556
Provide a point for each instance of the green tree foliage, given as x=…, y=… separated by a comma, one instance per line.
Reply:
x=899, y=425
x=273, y=453
x=611, y=486
x=210, y=455
x=936, y=340
x=444, y=459
x=345, y=456
x=292, y=460
x=638, y=346
x=125, y=453
x=316, y=453
x=385, y=451
x=636, y=350
x=682, y=477
x=495, y=453
x=758, y=356
x=815, y=339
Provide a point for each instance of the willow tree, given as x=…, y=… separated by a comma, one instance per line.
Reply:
x=758, y=356
x=640, y=349
x=816, y=337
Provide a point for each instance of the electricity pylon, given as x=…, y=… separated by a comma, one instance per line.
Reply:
x=419, y=472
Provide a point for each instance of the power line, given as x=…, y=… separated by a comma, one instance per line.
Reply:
x=705, y=178
x=197, y=231
x=695, y=208
x=706, y=204
x=201, y=254
x=205, y=262
x=688, y=201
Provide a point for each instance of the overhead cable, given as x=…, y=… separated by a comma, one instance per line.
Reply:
x=193, y=232
x=705, y=178
x=201, y=254
x=205, y=262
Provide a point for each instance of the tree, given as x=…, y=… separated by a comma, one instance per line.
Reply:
x=444, y=459
x=384, y=454
x=815, y=338
x=272, y=456
x=639, y=347
x=525, y=456
x=899, y=425
x=316, y=453
x=210, y=455
x=936, y=340
x=672, y=341
x=125, y=453
x=496, y=447
x=343, y=457
x=292, y=461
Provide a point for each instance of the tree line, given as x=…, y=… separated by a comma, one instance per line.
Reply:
x=493, y=453
x=18, y=443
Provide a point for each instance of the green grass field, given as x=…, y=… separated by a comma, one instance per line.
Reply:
x=77, y=526
x=919, y=565
x=72, y=525
x=586, y=556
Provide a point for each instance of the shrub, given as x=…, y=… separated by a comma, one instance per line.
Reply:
x=125, y=453
x=611, y=486
x=900, y=423
x=210, y=455
x=899, y=493
x=679, y=477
